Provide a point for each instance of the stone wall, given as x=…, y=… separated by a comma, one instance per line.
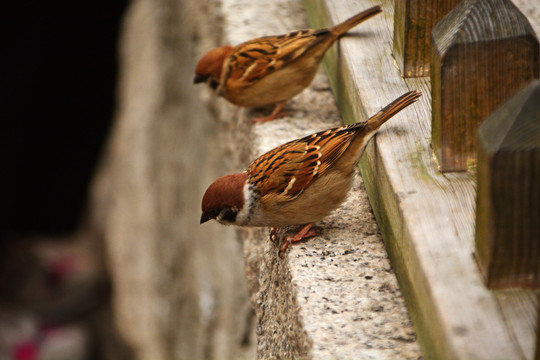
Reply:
x=186, y=291
x=178, y=288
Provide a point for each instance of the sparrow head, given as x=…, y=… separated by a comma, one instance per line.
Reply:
x=209, y=66
x=224, y=199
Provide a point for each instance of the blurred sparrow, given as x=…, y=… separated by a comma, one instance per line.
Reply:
x=299, y=182
x=271, y=69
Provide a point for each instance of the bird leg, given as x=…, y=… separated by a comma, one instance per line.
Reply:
x=276, y=114
x=305, y=232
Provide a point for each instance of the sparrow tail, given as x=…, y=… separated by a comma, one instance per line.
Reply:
x=348, y=24
x=392, y=109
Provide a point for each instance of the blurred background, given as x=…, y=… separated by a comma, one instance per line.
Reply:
x=103, y=142
x=59, y=75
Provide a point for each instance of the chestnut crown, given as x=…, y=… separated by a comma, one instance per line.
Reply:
x=224, y=198
x=209, y=66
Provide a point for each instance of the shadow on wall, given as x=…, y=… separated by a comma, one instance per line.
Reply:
x=59, y=73
x=59, y=70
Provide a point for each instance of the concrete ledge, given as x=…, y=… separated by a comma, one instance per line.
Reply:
x=334, y=296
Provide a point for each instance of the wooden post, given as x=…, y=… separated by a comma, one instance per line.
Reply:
x=508, y=195
x=483, y=52
x=413, y=22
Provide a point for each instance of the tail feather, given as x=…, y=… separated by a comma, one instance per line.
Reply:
x=392, y=109
x=363, y=131
x=345, y=26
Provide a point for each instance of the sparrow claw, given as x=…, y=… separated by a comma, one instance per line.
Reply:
x=285, y=246
x=305, y=232
x=276, y=114
x=270, y=117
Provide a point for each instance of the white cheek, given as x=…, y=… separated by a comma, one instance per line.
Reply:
x=244, y=216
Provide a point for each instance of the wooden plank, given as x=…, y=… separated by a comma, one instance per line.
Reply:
x=426, y=218
x=519, y=309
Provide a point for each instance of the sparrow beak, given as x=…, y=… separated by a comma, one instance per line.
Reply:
x=205, y=218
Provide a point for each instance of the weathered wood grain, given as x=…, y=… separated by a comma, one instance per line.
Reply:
x=426, y=218
x=519, y=309
x=413, y=22
x=484, y=51
x=508, y=200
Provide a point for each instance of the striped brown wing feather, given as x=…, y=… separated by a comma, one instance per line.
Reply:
x=333, y=144
x=277, y=171
x=290, y=168
x=260, y=57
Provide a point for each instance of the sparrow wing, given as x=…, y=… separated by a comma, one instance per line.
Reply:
x=289, y=169
x=286, y=171
x=260, y=57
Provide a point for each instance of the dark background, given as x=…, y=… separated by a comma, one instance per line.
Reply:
x=59, y=72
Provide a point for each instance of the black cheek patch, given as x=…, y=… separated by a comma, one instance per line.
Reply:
x=229, y=215
x=213, y=83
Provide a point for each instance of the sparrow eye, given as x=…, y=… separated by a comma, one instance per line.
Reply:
x=213, y=83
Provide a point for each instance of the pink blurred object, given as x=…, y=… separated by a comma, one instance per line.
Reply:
x=27, y=350
x=22, y=337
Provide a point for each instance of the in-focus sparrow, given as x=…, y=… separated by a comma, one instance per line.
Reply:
x=299, y=182
x=271, y=69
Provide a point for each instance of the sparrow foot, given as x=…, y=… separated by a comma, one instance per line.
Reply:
x=305, y=232
x=276, y=114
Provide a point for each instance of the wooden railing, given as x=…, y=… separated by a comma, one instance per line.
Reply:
x=483, y=52
x=479, y=55
x=508, y=192
x=476, y=61
x=413, y=22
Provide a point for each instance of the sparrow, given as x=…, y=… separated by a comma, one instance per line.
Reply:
x=271, y=69
x=299, y=182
